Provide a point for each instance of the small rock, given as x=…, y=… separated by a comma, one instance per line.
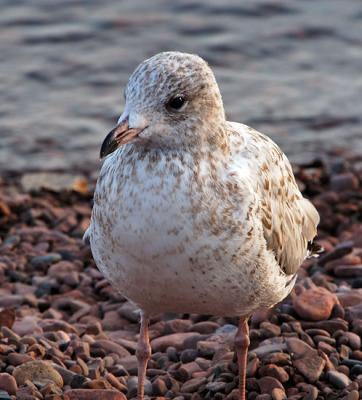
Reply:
x=341, y=250
x=173, y=340
x=353, y=395
x=305, y=359
x=193, y=385
x=278, y=394
x=207, y=348
x=345, y=181
x=252, y=367
x=186, y=371
x=95, y=394
x=45, y=261
x=268, y=383
x=16, y=359
x=4, y=395
x=159, y=387
x=27, y=326
x=338, y=379
x=348, y=271
x=352, y=339
x=110, y=347
x=276, y=372
x=54, y=181
x=37, y=371
x=314, y=304
x=204, y=327
x=8, y=383
x=266, y=349
x=129, y=311
x=7, y=317
x=100, y=383
x=132, y=384
x=188, y=355
x=264, y=396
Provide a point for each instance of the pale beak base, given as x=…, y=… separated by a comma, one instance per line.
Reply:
x=117, y=137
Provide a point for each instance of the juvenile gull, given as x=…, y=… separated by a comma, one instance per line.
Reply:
x=193, y=213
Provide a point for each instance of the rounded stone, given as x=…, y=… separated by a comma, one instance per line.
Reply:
x=37, y=371
x=8, y=383
x=315, y=304
x=338, y=379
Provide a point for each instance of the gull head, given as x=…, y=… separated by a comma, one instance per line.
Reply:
x=172, y=100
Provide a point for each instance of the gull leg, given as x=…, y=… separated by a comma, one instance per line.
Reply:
x=143, y=354
x=242, y=342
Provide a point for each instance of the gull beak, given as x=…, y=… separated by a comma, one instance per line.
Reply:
x=118, y=136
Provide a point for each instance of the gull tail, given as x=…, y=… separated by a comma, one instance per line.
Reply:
x=86, y=236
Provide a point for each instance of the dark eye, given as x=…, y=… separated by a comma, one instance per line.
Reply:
x=176, y=103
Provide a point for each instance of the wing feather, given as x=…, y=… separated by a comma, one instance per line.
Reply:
x=289, y=220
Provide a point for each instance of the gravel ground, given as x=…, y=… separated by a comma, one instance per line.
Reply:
x=64, y=330
x=291, y=69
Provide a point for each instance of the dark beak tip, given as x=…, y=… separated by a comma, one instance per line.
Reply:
x=109, y=145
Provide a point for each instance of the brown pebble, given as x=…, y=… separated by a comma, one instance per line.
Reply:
x=173, y=340
x=37, y=371
x=186, y=370
x=268, y=383
x=274, y=371
x=16, y=359
x=278, y=394
x=192, y=385
x=115, y=382
x=8, y=383
x=100, y=383
x=96, y=394
x=305, y=359
x=159, y=387
x=7, y=317
x=314, y=304
x=204, y=327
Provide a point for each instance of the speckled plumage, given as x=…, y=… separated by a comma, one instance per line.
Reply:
x=197, y=214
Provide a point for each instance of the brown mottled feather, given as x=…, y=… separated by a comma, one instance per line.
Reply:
x=289, y=220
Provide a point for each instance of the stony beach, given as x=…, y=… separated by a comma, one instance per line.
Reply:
x=66, y=334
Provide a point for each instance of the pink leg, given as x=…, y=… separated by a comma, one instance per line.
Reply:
x=143, y=354
x=241, y=347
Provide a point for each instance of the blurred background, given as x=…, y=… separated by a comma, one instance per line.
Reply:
x=291, y=69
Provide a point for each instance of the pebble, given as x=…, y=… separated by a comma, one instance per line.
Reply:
x=132, y=384
x=315, y=304
x=274, y=371
x=110, y=347
x=8, y=383
x=4, y=395
x=188, y=355
x=37, y=371
x=95, y=394
x=193, y=385
x=7, y=317
x=278, y=394
x=79, y=326
x=338, y=379
x=173, y=340
x=305, y=359
x=16, y=359
x=268, y=383
x=45, y=261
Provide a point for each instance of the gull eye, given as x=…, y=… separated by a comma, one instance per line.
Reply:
x=176, y=103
